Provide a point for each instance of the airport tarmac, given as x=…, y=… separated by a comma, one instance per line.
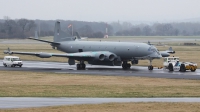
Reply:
x=27, y=102
x=65, y=68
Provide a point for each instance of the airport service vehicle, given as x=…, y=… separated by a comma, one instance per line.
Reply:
x=173, y=63
x=12, y=61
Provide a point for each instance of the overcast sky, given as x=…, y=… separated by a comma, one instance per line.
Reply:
x=101, y=10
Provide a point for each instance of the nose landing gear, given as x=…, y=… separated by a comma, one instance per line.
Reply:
x=150, y=67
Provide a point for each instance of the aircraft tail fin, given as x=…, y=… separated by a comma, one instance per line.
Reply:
x=7, y=51
x=78, y=36
x=171, y=51
x=149, y=43
x=60, y=35
x=36, y=35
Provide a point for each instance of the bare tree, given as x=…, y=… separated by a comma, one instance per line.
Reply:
x=22, y=23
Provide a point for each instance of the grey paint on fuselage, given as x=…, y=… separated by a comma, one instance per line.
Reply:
x=125, y=50
x=96, y=52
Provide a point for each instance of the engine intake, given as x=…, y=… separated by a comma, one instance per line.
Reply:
x=110, y=56
x=99, y=56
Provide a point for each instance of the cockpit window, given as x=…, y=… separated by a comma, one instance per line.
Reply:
x=152, y=48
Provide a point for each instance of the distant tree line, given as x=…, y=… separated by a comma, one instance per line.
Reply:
x=23, y=28
x=85, y=29
x=157, y=29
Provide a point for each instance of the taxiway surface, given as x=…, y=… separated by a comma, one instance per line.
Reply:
x=27, y=102
x=64, y=68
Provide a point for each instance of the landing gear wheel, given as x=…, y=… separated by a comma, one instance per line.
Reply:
x=126, y=65
x=182, y=68
x=170, y=67
x=80, y=66
x=83, y=66
x=150, y=67
x=129, y=66
x=5, y=65
x=192, y=69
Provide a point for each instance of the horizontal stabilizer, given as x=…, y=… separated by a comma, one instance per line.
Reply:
x=54, y=43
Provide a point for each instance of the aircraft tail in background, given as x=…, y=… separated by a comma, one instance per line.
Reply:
x=36, y=35
x=60, y=35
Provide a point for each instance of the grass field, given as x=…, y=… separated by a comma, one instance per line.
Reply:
x=117, y=107
x=33, y=84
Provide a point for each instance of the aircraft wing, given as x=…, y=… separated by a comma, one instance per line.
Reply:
x=99, y=55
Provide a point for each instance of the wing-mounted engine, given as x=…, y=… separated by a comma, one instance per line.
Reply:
x=104, y=56
x=98, y=56
x=110, y=59
x=110, y=56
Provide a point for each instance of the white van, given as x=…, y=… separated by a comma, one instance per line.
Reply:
x=12, y=61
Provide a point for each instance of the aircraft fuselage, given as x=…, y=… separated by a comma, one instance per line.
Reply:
x=125, y=50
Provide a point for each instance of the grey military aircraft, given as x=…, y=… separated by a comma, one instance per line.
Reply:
x=97, y=52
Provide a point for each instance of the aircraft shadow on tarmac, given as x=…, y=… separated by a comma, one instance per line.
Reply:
x=115, y=69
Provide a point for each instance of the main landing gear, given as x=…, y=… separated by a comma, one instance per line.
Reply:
x=81, y=66
x=126, y=65
x=150, y=67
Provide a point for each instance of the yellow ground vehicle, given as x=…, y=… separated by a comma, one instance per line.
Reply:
x=173, y=63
